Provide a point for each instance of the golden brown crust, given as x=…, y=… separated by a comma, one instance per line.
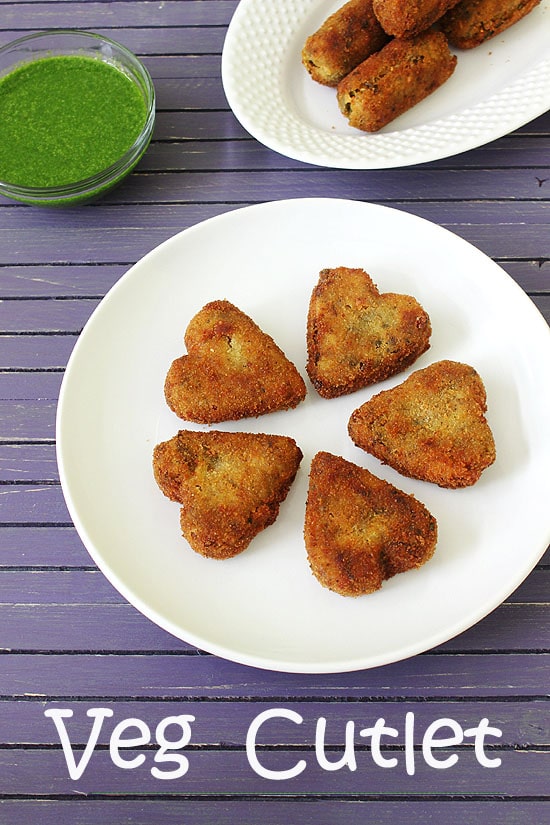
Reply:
x=357, y=335
x=405, y=18
x=360, y=530
x=431, y=427
x=394, y=79
x=230, y=485
x=345, y=39
x=232, y=370
x=472, y=22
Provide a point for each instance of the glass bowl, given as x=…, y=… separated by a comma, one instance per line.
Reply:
x=77, y=112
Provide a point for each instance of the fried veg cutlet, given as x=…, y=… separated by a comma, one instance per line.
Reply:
x=230, y=485
x=345, y=39
x=431, y=427
x=404, y=18
x=472, y=22
x=400, y=75
x=232, y=370
x=357, y=335
x=360, y=530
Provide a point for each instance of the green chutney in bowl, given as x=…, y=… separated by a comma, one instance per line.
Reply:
x=77, y=112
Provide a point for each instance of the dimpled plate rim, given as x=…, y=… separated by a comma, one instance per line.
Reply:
x=261, y=71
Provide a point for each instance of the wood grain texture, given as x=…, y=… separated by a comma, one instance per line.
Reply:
x=67, y=637
x=272, y=811
x=144, y=676
x=226, y=773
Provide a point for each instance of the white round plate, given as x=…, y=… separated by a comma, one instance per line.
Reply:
x=495, y=88
x=264, y=607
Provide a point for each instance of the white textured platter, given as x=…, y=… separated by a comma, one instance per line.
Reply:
x=264, y=607
x=496, y=88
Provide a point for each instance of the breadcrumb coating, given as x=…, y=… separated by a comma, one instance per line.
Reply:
x=344, y=40
x=391, y=81
x=357, y=335
x=232, y=370
x=405, y=18
x=230, y=485
x=361, y=530
x=431, y=427
x=472, y=22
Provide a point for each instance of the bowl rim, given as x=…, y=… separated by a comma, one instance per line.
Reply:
x=126, y=161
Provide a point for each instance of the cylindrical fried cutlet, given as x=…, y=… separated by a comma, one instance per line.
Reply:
x=472, y=22
x=359, y=529
x=405, y=18
x=344, y=40
x=394, y=79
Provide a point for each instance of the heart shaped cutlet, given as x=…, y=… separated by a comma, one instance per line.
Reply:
x=360, y=530
x=232, y=370
x=230, y=485
x=357, y=335
x=431, y=427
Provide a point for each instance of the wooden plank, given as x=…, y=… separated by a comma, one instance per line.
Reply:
x=150, y=40
x=200, y=93
x=208, y=65
x=56, y=588
x=47, y=281
x=386, y=185
x=117, y=15
x=30, y=385
x=36, y=546
x=92, y=280
x=215, y=773
x=35, y=352
x=24, y=419
x=50, y=315
x=166, y=676
x=351, y=811
x=467, y=184
x=34, y=504
x=115, y=628
x=119, y=234
x=83, y=226
x=28, y=462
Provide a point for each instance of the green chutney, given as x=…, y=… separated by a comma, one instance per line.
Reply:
x=65, y=118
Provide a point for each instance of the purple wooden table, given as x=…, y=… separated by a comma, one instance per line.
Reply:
x=69, y=641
